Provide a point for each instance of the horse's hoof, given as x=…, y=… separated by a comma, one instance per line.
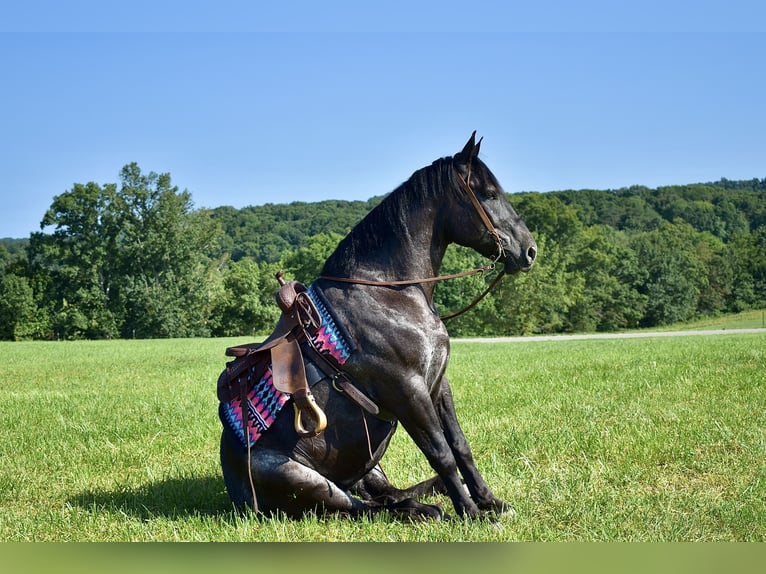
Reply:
x=435, y=513
x=507, y=512
x=497, y=506
x=427, y=512
x=414, y=510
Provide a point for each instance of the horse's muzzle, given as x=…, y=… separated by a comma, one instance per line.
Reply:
x=524, y=261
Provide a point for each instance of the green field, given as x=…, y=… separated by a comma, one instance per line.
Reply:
x=755, y=319
x=656, y=439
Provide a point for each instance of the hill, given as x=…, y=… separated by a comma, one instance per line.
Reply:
x=724, y=209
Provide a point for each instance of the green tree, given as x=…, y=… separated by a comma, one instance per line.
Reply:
x=20, y=319
x=636, y=214
x=126, y=262
x=747, y=253
x=456, y=294
x=539, y=301
x=78, y=261
x=611, y=275
x=161, y=258
x=305, y=264
x=246, y=305
x=675, y=275
x=5, y=256
x=546, y=214
x=716, y=287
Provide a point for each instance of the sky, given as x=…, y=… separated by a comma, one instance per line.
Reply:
x=257, y=103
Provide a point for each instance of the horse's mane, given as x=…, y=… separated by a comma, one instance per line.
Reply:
x=392, y=217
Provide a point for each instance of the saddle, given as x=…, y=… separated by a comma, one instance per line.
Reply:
x=292, y=355
x=282, y=349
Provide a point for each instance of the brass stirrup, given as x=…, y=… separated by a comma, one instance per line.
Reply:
x=304, y=402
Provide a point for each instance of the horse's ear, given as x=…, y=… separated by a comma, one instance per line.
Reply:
x=477, y=146
x=471, y=149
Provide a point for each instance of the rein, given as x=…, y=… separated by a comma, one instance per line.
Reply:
x=488, y=267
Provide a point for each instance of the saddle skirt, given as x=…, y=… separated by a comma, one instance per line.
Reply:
x=264, y=401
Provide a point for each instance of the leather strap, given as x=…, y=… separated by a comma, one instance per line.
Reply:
x=481, y=211
x=487, y=267
x=340, y=380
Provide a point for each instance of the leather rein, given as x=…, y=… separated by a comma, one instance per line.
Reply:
x=488, y=267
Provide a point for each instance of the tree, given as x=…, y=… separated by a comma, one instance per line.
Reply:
x=161, y=256
x=611, y=274
x=456, y=294
x=538, y=301
x=748, y=255
x=78, y=260
x=246, y=305
x=305, y=264
x=675, y=275
x=126, y=262
x=545, y=214
x=716, y=288
x=134, y=258
x=20, y=318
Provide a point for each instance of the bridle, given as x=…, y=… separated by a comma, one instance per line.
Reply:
x=464, y=183
x=491, y=229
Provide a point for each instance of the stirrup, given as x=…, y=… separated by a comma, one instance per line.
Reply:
x=304, y=401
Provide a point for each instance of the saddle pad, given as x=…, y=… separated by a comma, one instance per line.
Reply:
x=264, y=401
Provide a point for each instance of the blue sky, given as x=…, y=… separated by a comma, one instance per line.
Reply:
x=252, y=104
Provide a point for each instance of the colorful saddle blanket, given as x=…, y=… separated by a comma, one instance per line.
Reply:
x=264, y=401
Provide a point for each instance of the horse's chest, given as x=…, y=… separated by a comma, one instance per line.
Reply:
x=397, y=332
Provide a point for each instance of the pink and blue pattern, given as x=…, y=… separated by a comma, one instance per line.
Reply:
x=328, y=338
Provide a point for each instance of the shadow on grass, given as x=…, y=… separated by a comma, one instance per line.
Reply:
x=171, y=498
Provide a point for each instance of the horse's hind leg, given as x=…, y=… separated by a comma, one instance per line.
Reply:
x=376, y=486
x=280, y=484
x=284, y=485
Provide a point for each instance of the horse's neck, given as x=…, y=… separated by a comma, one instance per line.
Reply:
x=402, y=241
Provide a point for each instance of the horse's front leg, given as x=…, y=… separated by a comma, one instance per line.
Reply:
x=419, y=418
x=480, y=492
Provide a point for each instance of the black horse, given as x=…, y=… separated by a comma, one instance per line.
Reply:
x=400, y=357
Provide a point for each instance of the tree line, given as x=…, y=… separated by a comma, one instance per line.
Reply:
x=134, y=259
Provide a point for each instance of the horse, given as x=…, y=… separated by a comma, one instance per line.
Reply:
x=379, y=284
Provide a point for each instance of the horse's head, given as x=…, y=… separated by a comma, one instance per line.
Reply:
x=490, y=226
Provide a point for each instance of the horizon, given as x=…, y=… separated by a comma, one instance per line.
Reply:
x=608, y=190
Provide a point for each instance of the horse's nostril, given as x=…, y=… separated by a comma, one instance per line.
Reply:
x=531, y=254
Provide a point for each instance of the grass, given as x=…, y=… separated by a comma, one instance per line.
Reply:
x=754, y=319
x=658, y=439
